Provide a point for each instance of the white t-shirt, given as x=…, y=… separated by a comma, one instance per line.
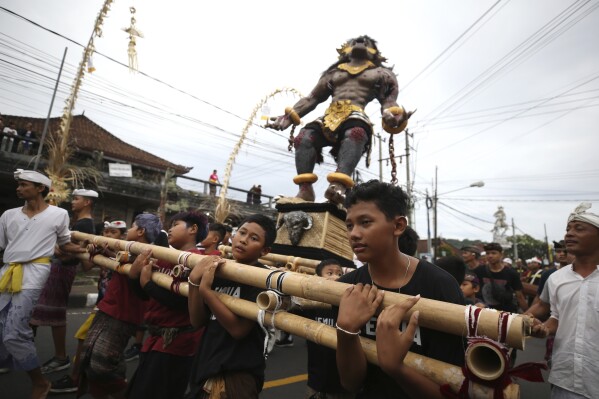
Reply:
x=24, y=239
x=574, y=302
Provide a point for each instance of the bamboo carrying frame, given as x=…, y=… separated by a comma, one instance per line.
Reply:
x=439, y=372
x=436, y=315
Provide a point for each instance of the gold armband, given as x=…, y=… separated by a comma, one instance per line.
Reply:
x=395, y=111
x=295, y=118
x=305, y=178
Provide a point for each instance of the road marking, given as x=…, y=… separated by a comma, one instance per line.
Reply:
x=285, y=381
x=78, y=313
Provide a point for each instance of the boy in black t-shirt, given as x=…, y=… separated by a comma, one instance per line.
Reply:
x=375, y=221
x=230, y=361
x=500, y=287
x=323, y=377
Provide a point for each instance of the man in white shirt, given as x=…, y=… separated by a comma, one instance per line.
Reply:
x=572, y=295
x=28, y=236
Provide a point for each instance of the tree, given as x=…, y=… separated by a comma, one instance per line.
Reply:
x=528, y=247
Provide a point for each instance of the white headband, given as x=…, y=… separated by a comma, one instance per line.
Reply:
x=85, y=193
x=581, y=214
x=33, y=176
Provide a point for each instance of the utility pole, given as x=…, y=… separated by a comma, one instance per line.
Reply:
x=378, y=136
x=45, y=131
x=429, y=205
x=515, y=242
x=408, y=184
x=435, y=199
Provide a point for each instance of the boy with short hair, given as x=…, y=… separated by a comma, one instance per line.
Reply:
x=323, y=377
x=375, y=221
x=119, y=313
x=166, y=356
x=470, y=287
x=499, y=284
x=216, y=233
x=69, y=383
x=230, y=362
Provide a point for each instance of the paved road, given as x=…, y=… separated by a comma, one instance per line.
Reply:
x=285, y=371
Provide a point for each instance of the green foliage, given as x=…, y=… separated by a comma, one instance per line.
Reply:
x=528, y=247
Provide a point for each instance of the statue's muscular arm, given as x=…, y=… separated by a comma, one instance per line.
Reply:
x=319, y=94
x=387, y=96
x=304, y=106
x=389, y=89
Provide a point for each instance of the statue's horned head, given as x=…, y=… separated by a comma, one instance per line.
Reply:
x=296, y=223
x=361, y=41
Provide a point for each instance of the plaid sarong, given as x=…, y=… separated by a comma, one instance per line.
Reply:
x=51, y=309
x=103, y=363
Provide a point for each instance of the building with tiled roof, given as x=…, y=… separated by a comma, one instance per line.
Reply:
x=88, y=137
x=120, y=197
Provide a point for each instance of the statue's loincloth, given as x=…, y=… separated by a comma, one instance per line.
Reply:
x=338, y=118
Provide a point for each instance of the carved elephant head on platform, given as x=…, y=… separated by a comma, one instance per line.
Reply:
x=296, y=222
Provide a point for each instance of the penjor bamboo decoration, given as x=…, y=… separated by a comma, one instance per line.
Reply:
x=440, y=372
x=222, y=207
x=59, y=150
x=436, y=315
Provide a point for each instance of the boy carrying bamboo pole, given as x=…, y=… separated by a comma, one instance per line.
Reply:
x=230, y=362
x=375, y=221
x=166, y=355
x=102, y=366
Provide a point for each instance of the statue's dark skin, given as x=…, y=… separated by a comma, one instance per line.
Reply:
x=375, y=82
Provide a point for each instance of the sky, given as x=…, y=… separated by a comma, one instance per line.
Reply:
x=506, y=92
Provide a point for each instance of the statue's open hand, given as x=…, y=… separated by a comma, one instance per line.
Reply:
x=279, y=122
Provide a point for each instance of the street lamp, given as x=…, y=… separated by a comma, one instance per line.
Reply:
x=433, y=204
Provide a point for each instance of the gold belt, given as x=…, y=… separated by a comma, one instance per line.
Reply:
x=338, y=112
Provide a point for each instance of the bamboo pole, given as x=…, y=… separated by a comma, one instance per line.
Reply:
x=322, y=334
x=291, y=262
x=485, y=361
x=436, y=315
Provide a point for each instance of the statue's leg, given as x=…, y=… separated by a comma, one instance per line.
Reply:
x=308, y=145
x=350, y=152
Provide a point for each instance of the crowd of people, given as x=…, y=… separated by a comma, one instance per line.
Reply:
x=196, y=347
x=16, y=139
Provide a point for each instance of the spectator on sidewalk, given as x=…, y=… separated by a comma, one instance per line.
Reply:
x=213, y=179
x=258, y=195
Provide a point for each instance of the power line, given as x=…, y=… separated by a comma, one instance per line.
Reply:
x=463, y=213
x=450, y=46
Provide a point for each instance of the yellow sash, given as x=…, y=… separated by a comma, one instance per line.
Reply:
x=12, y=280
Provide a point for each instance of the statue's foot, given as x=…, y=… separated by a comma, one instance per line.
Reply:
x=306, y=192
x=335, y=193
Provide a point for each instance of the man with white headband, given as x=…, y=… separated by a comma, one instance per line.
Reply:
x=28, y=235
x=51, y=309
x=571, y=294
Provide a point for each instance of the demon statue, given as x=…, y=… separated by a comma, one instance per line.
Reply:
x=357, y=78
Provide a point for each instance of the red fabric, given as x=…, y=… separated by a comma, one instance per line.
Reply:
x=157, y=314
x=121, y=302
x=526, y=371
